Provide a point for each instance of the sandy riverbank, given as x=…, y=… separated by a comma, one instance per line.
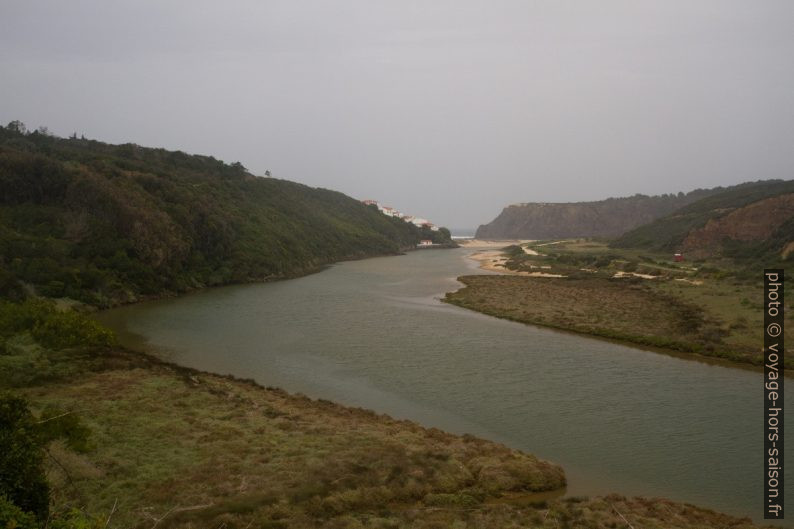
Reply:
x=483, y=243
x=494, y=261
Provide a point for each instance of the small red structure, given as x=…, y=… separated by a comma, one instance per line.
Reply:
x=678, y=257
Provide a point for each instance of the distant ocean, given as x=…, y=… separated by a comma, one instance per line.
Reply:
x=463, y=233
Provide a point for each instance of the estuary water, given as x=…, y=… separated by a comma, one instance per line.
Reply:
x=374, y=334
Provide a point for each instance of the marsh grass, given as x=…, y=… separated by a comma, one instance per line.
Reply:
x=216, y=450
x=157, y=445
x=710, y=309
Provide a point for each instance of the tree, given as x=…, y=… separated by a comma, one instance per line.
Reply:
x=22, y=478
x=24, y=491
x=17, y=126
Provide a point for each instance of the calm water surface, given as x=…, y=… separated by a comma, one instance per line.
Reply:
x=372, y=333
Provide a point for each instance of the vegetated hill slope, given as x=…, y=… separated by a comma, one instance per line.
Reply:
x=604, y=218
x=107, y=224
x=751, y=220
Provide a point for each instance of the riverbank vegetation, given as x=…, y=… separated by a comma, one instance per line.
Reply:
x=107, y=224
x=709, y=307
x=143, y=443
x=93, y=436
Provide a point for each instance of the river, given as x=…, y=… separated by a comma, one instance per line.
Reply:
x=373, y=333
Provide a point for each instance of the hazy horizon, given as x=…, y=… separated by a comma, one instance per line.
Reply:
x=450, y=110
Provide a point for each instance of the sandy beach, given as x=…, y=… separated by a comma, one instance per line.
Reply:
x=483, y=243
x=491, y=258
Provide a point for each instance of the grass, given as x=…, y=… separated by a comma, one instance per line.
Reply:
x=176, y=448
x=214, y=450
x=709, y=308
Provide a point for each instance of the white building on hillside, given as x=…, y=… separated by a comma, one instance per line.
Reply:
x=391, y=212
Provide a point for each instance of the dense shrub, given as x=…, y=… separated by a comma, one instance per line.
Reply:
x=51, y=327
x=106, y=224
x=12, y=517
x=71, y=329
x=22, y=478
x=24, y=491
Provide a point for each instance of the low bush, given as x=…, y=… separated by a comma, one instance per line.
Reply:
x=12, y=517
x=24, y=490
x=71, y=329
x=51, y=327
x=22, y=479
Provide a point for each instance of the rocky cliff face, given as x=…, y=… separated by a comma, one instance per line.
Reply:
x=756, y=222
x=604, y=218
x=746, y=221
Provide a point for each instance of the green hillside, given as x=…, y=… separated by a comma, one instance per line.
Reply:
x=607, y=218
x=668, y=233
x=107, y=224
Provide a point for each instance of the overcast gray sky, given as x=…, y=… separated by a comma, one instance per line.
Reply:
x=444, y=109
